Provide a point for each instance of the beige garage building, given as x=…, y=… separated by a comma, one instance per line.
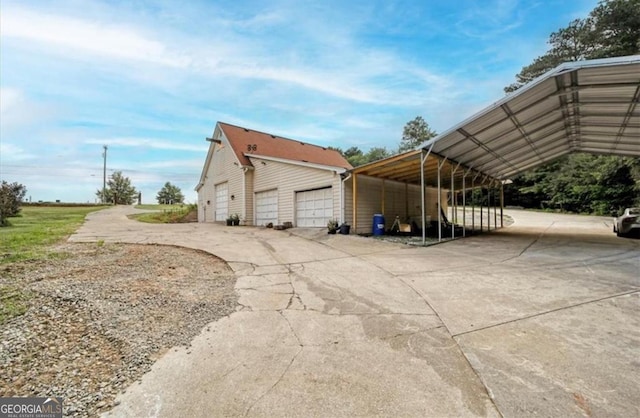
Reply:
x=264, y=178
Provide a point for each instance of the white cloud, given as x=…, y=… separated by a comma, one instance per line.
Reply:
x=487, y=20
x=17, y=111
x=148, y=143
x=339, y=67
x=181, y=164
x=11, y=152
x=88, y=36
x=10, y=98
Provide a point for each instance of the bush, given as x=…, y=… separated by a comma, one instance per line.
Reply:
x=11, y=196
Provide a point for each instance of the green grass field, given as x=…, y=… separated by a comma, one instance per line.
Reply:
x=164, y=214
x=36, y=228
x=160, y=207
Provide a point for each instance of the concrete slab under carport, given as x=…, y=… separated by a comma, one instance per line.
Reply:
x=547, y=312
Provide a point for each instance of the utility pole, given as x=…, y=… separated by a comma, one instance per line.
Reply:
x=104, y=175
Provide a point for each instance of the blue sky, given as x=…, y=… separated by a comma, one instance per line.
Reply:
x=151, y=78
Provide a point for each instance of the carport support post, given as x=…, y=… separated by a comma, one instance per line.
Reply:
x=484, y=181
x=453, y=207
x=501, y=205
x=481, y=209
x=489, y=208
x=355, y=203
x=464, y=201
x=423, y=160
x=473, y=202
x=383, y=193
x=464, y=205
x=491, y=203
x=453, y=204
x=440, y=165
x=439, y=206
x=495, y=209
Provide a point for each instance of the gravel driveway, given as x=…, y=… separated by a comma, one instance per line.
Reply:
x=99, y=317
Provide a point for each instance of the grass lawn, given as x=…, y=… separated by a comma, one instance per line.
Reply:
x=166, y=214
x=38, y=227
x=160, y=207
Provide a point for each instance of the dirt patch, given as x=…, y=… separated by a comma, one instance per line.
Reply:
x=97, y=319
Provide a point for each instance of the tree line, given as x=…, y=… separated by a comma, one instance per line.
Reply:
x=414, y=133
x=120, y=191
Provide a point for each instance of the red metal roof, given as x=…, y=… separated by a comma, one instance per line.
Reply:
x=246, y=141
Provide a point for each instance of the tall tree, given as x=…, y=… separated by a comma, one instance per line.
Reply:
x=11, y=197
x=119, y=190
x=376, y=153
x=357, y=157
x=612, y=29
x=170, y=194
x=415, y=132
x=617, y=26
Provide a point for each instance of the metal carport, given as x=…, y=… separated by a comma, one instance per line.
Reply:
x=585, y=106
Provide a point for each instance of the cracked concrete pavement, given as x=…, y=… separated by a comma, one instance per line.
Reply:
x=542, y=318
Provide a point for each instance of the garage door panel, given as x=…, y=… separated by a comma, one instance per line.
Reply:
x=267, y=207
x=222, y=201
x=314, y=208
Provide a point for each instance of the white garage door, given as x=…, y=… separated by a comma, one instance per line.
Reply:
x=314, y=208
x=222, y=201
x=267, y=207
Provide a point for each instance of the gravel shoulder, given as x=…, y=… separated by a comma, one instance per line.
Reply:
x=98, y=318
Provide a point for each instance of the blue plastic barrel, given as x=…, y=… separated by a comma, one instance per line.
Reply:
x=378, y=224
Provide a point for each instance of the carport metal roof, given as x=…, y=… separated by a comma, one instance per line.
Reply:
x=585, y=106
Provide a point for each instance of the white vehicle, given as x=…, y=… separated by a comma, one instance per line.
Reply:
x=628, y=223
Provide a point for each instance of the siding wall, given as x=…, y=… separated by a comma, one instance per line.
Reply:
x=221, y=169
x=248, y=217
x=399, y=199
x=289, y=179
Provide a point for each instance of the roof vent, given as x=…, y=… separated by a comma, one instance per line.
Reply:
x=301, y=143
x=273, y=136
x=246, y=130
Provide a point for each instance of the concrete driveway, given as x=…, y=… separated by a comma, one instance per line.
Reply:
x=541, y=318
